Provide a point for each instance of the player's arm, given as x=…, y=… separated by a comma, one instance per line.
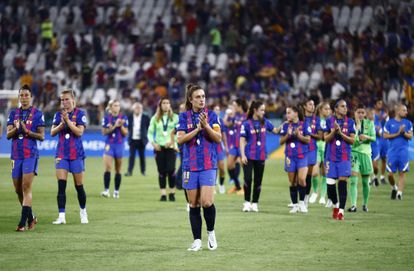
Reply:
x=213, y=132
x=56, y=129
x=408, y=135
x=329, y=136
x=284, y=136
x=387, y=134
x=224, y=139
x=303, y=138
x=242, y=147
x=11, y=131
x=183, y=137
x=318, y=135
x=124, y=130
x=348, y=139
x=77, y=130
x=39, y=134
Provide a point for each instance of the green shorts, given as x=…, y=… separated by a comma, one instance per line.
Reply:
x=321, y=151
x=362, y=163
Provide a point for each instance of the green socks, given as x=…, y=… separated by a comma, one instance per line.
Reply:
x=323, y=187
x=353, y=190
x=365, y=189
x=315, y=181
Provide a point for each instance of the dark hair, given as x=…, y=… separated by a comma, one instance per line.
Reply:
x=189, y=90
x=336, y=102
x=26, y=87
x=243, y=103
x=361, y=106
x=296, y=109
x=254, y=106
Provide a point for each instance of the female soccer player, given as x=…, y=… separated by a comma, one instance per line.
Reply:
x=375, y=152
x=253, y=152
x=69, y=124
x=233, y=163
x=323, y=111
x=25, y=126
x=339, y=137
x=296, y=134
x=222, y=149
x=313, y=122
x=199, y=132
x=361, y=157
x=161, y=136
x=115, y=128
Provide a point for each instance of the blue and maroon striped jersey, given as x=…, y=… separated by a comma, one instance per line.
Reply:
x=231, y=134
x=200, y=153
x=69, y=145
x=238, y=120
x=116, y=136
x=338, y=150
x=314, y=123
x=255, y=133
x=294, y=147
x=220, y=147
x=22, y=145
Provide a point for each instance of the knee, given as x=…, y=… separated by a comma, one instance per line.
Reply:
x=193, y=203
x=205, y=203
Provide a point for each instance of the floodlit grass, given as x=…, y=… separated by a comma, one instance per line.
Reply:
x=137, y=232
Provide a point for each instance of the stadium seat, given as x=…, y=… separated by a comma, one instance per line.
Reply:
x=303, y=80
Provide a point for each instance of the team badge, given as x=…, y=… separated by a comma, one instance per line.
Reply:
x=186, y=176
x=288, y=162
x=107, y=147
x=57, y=160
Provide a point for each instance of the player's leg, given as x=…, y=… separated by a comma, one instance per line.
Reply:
x=231, y=167
x=392, y=169
x=247, y=173
x=118, y=176
x=162, y=175
x=107, y=160
x=366, y=169
x=170, y=169
x=302, y=174
x=207, y=183
x=193, y=194
x=222, y=175
x=62, y=168
x=353, y=187
x=77, y=169
x=258, y=167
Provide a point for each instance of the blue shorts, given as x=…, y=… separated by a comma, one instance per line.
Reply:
x=221, y=155
x=398, y=162
x=335, y=170
x=24, y=166
x=312, y=157
x=235, y=152
x=294, y=164
x=196, y=179
x=72, y=166
x=375, y=155
x=114, y=150
x=383, y=147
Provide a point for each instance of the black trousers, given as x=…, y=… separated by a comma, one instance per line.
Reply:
x=165, y=159
x=134, y=146
x=258, y=167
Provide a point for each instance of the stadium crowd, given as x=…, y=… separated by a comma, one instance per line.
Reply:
x=280, y=51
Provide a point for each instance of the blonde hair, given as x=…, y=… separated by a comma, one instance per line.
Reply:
x=110, y=103
x=71, y=93
x=319, y=107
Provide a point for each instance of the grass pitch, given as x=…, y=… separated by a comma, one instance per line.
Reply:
x=137, y=232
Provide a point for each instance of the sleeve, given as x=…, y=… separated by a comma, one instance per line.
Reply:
x=215, y=122
x=371, y=132
x=318, y=125
x=56, y=119
x=269, y=126
x=307, y=130
x=151, y=130
x=182, y=123
x=284, y=129
x=409, y=126
x=104, y=122
x=81, y=120
x=10, y=119
x=126, y=121
x=327, y=126
x=223, y=127
x=352, y=126
x=243, y=129
x=40, y=119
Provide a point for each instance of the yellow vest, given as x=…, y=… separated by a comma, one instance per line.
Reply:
x=47, y=29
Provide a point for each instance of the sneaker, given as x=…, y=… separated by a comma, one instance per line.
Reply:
x=195, y=246
x=116, y=195
x=322, y=200
x=353, y=209
x=83, y=216
x=255, y=207
x=20, y=228
x=376, y=183
x=60, y=220
x=188, y=207
x=302, y=207
x=128, y=174
x=240, y=192
x=340, y=216
x=105, y=194
x=290, y=205
x=247, y=207
x=306, y=200
x=222, y=189
x=383, y=180
x=171, y=197
x=335, y=213
x=32, y=224
x=163, y=198
x=329, y=204
x=232, y=190
x=364, y=208
x=295, y=209
x=393, y=194
x=399, y=196
x=313, y=198
x=211, y=241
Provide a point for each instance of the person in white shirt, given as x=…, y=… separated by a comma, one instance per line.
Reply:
x=137, y=137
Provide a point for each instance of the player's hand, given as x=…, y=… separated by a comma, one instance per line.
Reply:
x=25, y=130
x=203, y=120
x=168, y=144
x=16, y=124
x=65, y=116
x=298, y=130
x=244, y=160
x=290, y=130
x=402, y=129
x=118, y=123
x=336, y=126
x=363, y=137
x=157, y=147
